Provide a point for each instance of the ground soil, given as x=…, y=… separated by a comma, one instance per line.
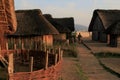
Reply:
x=70, y=69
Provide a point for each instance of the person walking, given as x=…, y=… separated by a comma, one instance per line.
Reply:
x=79, y=38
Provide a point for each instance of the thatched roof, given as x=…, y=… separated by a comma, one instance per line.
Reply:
x=9, y=16
x=66, y=22
x=107, y=18
x=114, y=28
x=32, y=22
x=57, y=25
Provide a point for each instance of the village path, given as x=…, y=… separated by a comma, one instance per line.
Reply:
x=91, y=67
x=69, y=69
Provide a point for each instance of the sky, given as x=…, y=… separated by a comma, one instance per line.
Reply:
x=81, y=10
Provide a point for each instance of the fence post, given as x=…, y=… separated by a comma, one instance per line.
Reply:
x=10, y=60
x=59, y=51
x=22, y=44
x=56, y=58
x=46, y=59
x=61, y=55
x=31, y=64
x=11, y=63
x=15, y=47
x=7, y=46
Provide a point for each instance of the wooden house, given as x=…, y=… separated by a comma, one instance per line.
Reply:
x=68, y=23
x=33, y=26
x=62, y=30
x=101, y=21
x=114, y=34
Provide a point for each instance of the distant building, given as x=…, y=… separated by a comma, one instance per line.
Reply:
x=68, y=23
x=104, y=27
x=65, y=26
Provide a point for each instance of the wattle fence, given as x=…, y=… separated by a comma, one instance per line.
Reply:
x=27, y=64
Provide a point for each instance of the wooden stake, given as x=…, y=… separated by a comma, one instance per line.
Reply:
x=59, y=51
x=7, y=46
x=61, y=55
x=10, y=65
x=31, y=64
x=46, y=60
x=15, y=47
x=22, y=45
x=56, y=58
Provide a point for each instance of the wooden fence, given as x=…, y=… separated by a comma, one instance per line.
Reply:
x=29, y=61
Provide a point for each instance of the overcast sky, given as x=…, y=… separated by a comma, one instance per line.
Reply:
x=81, y=10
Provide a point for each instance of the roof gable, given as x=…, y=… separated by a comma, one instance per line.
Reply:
x=107, y=17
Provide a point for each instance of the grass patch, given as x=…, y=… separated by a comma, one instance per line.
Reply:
x=107, y=55
x=71, y=51
x=81, y=73
x=109, y=70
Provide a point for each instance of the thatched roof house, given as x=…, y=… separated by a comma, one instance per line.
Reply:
x=63, y=28
x=66, y=22
x=102, y=24
x=107, y=17
x=33, y=23
x=57, y=25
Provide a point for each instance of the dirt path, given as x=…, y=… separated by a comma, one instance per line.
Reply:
x=91, y=66
x=69, y=69
x=84, y=67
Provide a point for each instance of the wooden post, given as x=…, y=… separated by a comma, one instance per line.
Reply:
x=15, y=47
x=11, y=62
x=108, y=39
x=31, y=64
x=46, y=60
x=10, y=65
x=61, y=55
x=56, y=58
x=7, y=46
x=59, y=51
x=22, y=44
